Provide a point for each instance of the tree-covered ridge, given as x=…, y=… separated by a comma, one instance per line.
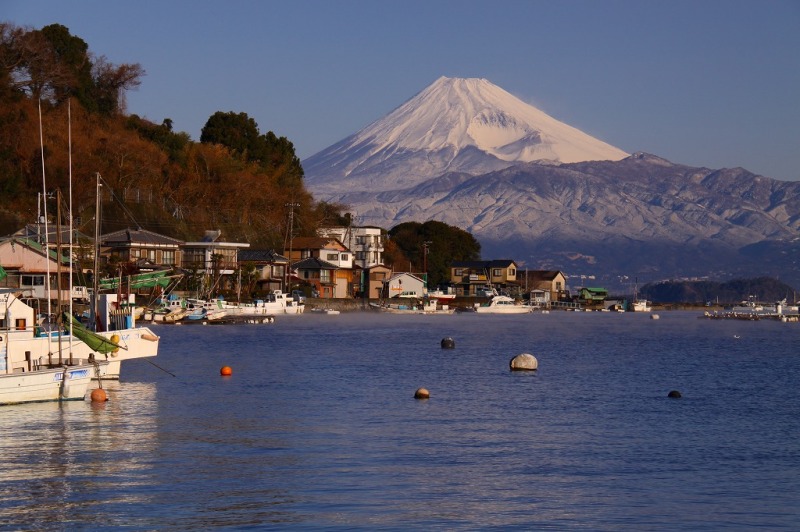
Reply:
x=235, y=179
x=763, y=289
x=433, y=246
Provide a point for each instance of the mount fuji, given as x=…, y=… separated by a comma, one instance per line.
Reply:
x=528, y=187
x=454, y=125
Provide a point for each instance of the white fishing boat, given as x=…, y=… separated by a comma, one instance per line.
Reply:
x=639, y=305
x=200, y=309
x=431, y=306
x=38, y=364
x=502, y=305
x=441, y=295
x=274, y=304
x=118, y=338
x=167, y=310
x=331, y=311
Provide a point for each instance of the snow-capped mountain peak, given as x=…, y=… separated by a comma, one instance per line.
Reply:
x=466, y=125
x=456, y=113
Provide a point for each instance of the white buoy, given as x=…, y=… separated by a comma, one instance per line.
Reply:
x=524, y=362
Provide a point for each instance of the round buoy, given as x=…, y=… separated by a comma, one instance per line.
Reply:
x=674, y=394
x=99, y=395
x=524, y=362
x=115, y=339
x=448, y=343
x=226, y=371
x=422, y=393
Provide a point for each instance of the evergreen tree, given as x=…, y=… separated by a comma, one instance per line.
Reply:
x=435, y=245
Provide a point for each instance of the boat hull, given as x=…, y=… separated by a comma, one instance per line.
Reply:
x=55, y=384
x=503, y=305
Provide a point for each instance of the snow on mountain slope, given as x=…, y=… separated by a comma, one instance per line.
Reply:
x=464, y=125
x=528, y=187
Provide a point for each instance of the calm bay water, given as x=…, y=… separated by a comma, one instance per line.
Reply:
x=318, y=428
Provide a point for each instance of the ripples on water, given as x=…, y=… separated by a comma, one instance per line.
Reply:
x=317, y=428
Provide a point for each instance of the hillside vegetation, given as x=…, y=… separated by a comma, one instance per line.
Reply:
x=234, y=179
x=764, y=289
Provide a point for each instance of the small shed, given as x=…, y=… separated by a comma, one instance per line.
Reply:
x=403, y=285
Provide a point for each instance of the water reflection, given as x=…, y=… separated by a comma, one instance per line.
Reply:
x=317, y=427
x=59, y=460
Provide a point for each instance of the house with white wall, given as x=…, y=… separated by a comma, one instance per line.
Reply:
x=364, y=242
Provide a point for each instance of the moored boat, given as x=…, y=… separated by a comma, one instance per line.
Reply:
x=37, y=364
x=441, y=295
x=274, y=304
x=502, y=305
x=430, y=306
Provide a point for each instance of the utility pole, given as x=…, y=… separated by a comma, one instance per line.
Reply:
x=290, y=237
x=425, y=259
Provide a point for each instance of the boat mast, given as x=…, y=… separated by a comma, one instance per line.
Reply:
x=46, y=242
x=95, y=279
x=58, y=273
x=71, y=271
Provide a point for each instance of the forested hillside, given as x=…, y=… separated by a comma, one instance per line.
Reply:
x=234, y=178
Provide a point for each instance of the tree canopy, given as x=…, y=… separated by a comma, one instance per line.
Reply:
x=51, y=64
x=433, y=245
x=240, y=133
x=236, y=179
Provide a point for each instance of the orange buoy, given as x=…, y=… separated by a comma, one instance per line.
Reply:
x=225, y=371
x=99, y=395
x=422, y=393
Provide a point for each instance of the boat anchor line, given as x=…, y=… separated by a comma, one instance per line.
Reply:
x=162, y=369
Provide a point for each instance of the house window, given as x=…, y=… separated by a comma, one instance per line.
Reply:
x=194, y=256
x=344, y=257
x=361, y=255
x=332, y=256
x=512, y=272
x=459, y=272
x=32, y=280
x=325, y=276
x=151, y=254
x=497, y=272
x=168, y=257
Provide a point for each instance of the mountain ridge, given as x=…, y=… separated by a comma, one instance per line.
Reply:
x=631, y=214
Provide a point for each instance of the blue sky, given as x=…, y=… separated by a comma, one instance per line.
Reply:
x=712, y=83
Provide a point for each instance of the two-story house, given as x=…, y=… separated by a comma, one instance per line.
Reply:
x=549, y=285
x=329, y=253
x=213, y=258
x=269, y=270
x=142, y=247
x=475, y=278
x=364, y=242
x=31, y=267
x=321, y=276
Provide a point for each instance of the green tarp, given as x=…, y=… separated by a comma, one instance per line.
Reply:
x=141, y=280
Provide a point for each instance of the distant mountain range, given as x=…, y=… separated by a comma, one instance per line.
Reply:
x=468, y=153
